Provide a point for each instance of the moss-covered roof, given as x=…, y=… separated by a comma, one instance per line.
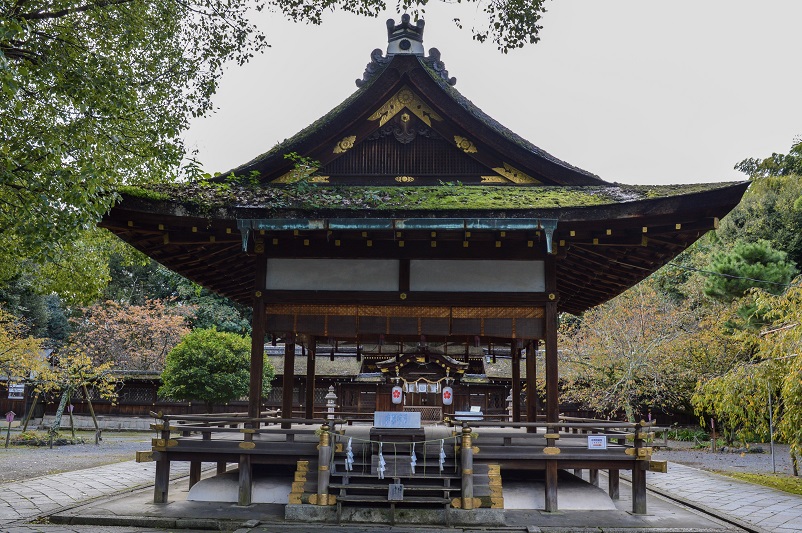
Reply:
x=224, y=195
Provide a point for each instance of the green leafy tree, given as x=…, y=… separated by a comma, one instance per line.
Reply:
x=776, y=164
x=747, y=265
x=95, y=94
x=738, y=398
x=212, y=367
x=770, y=210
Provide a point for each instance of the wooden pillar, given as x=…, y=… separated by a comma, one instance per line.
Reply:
x=550, y=334
x=552, y=394
x=289, y=379
x=531, y=384
x=612, y=484
x=516, y=381
x=245, y=480
x=162, y=483
x=194, y=472
x=639, y=474
x=639, y=487
x=594, y=476
x=160, y=489
x=551, y=486
x=258, y=333
x=310, y=378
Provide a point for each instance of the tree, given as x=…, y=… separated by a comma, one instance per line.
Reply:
x=20, y=353
x=212, y=367
x=770, y=210
x=74, y=371
x=95, y=95
x=620, y=358
x=739, y=398
x=130, y=337
x=747, y=265
x=774, y=165
x=134, y=282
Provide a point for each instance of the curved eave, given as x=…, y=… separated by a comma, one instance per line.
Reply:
x=601, y=250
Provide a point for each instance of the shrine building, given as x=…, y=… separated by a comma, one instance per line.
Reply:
x=415, y=242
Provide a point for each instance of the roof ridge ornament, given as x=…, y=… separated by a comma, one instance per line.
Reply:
x=405, y=38
x=433, y=60
x=377, y=62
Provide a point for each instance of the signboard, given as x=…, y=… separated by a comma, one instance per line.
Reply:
x=395, y=492
x=16, y=391
x=597, y=442
x=396, y=419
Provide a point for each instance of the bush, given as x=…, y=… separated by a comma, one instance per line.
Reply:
x=688, y=434
x=212, y=367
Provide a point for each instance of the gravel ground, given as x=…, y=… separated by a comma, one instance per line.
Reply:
x=727, y=461
x=26, y=462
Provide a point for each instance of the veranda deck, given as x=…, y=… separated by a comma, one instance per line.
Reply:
x=321, y=445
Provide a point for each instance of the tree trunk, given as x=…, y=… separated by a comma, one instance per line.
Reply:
x=65, y=397
x=30, y=412
x=795, y=464
x=92, y=412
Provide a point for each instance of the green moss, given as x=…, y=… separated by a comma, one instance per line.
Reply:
x=446, y=197
x=776, y=481
x=139, y=192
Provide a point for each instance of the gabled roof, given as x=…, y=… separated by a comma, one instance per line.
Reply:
x=432, y=133
x=408, y=167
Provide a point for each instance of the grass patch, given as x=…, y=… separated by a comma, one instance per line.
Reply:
x=42, y=438
x=781, y=482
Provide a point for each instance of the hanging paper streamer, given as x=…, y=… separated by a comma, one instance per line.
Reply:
x=413, y=460
x=382, y=464
x=349, y=456
x=442, y=456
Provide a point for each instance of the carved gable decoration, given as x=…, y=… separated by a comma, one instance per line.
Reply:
x=405, y=99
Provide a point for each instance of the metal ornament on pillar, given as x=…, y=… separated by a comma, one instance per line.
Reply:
x=448, y=395
x=397, y=395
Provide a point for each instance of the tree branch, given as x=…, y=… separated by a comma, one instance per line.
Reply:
x=69, y=11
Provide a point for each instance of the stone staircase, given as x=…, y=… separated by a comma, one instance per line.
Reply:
x=400, y=490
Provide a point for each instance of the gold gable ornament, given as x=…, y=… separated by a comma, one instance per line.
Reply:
x=515, y=175
x=405, y=98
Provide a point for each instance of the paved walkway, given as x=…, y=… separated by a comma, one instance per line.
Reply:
x=753, y=506
x=22, y=501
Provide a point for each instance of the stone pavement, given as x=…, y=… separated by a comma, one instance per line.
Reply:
x=25, y=505
x=22, y=501
x=751, y=506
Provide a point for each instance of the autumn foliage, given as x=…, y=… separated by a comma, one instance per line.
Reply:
x=131, y=337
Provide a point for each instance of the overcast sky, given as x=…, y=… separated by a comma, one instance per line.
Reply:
x=635, y=91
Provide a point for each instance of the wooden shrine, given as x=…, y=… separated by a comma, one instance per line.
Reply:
x=421, y=222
